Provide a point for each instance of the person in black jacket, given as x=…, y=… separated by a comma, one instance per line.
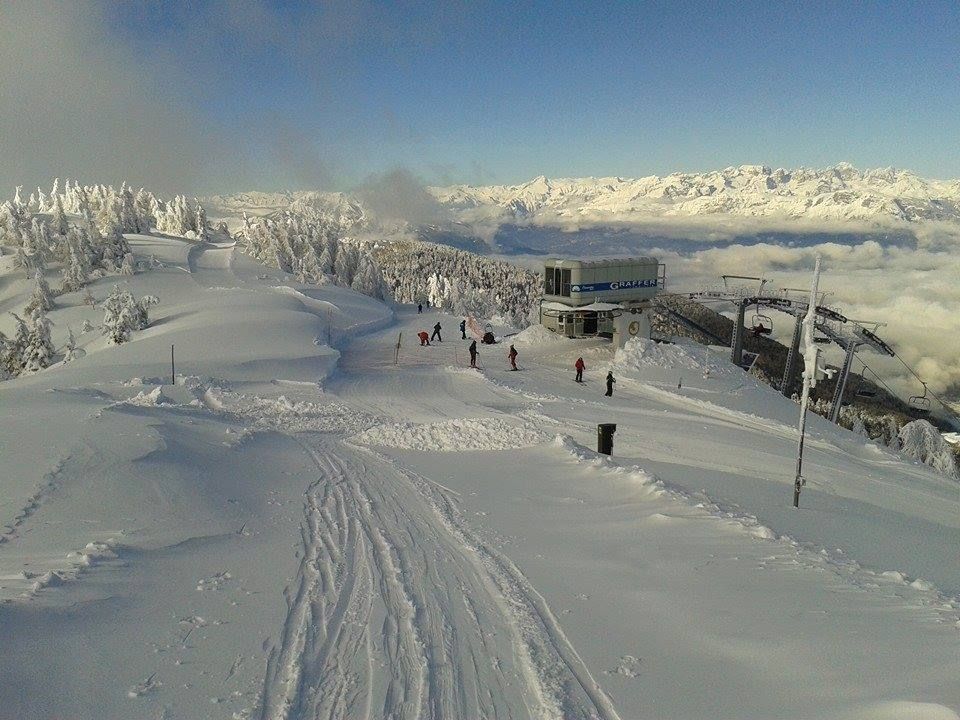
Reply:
x=473, y=354
x=463, y=329
x=610, y=381
x=436, y=333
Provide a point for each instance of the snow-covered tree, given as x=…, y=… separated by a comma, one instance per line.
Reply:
x=123, y=314
x=70, y=351
x=76, y=272
x=367, y=279
x=922, y=441
x=59, y=217
x=200, y=221
x=42, y=296
x=12, y=349
x=128, y=266
x=38, y=352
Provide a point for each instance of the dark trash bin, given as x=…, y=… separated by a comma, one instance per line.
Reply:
x=605, y=433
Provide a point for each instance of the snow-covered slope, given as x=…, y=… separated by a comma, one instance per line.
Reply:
x=312, y=522
x=839, y=193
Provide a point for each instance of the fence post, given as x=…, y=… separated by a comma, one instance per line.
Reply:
x=396, y=356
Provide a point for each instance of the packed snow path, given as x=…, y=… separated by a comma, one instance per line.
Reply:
x=400, y=611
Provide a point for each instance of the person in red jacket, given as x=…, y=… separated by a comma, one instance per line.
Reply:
x=579, y=366
x=424, y=338
x=513, y=358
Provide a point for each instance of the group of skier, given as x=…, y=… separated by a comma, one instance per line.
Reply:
x=512, y=354
x=579, y=366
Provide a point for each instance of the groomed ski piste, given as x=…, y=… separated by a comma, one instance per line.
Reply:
x=309, y=523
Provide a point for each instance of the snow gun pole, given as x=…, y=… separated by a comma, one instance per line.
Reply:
x=396, y=356
x=811, y=357
x=173, y=373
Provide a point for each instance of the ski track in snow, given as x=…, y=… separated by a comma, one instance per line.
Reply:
x=399, y=610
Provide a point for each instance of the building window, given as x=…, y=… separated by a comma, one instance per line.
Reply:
x=548, y=284
x=565, y=283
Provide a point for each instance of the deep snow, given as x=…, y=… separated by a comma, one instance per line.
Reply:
x=302, y=527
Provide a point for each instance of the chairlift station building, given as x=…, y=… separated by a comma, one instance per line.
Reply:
x=595, y=297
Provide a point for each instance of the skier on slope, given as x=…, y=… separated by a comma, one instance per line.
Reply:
x=463, y=329
x=610, y=381
x=513, y=358
x=579, y=366
x=473, y=354
x=436, y=333
x=419, y=308
x=424, y=338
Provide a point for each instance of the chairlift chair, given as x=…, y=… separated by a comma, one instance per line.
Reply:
x=862, y=391
x=920, y=402
x=758, y=327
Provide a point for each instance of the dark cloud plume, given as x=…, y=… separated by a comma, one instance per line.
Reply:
x=399, y=196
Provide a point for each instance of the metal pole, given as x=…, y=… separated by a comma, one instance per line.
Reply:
x=791, y=365
x=173, y=372
x=396, y=356
x=798, y=482
x=736, y=343
x=811, y=359
x=842, y=382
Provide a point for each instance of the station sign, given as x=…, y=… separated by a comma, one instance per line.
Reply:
x=615, y=285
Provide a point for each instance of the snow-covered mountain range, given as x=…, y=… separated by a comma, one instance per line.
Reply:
x=839, y=193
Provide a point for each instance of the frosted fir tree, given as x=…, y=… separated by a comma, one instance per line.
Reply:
x=345, y=264
x=41, y=238
x=59, y=218
x=327, y=258
x=143, y=311
x=38, y=352
x=13, y=223
x=42, y=201
x=70, y=350
x=42, y=296
x=93, y=230
x=200, y=221
x=12, y=349
x=108, y=218
x=76, y=272
x=921, y=441
x=367, y=280
x=123, y=314
x=858, y=426
x=120, y=313
x=128, y=267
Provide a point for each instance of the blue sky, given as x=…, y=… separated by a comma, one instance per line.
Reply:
x=290, y=94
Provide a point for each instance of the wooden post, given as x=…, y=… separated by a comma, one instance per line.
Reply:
x=173, y=373
x=396, y=357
